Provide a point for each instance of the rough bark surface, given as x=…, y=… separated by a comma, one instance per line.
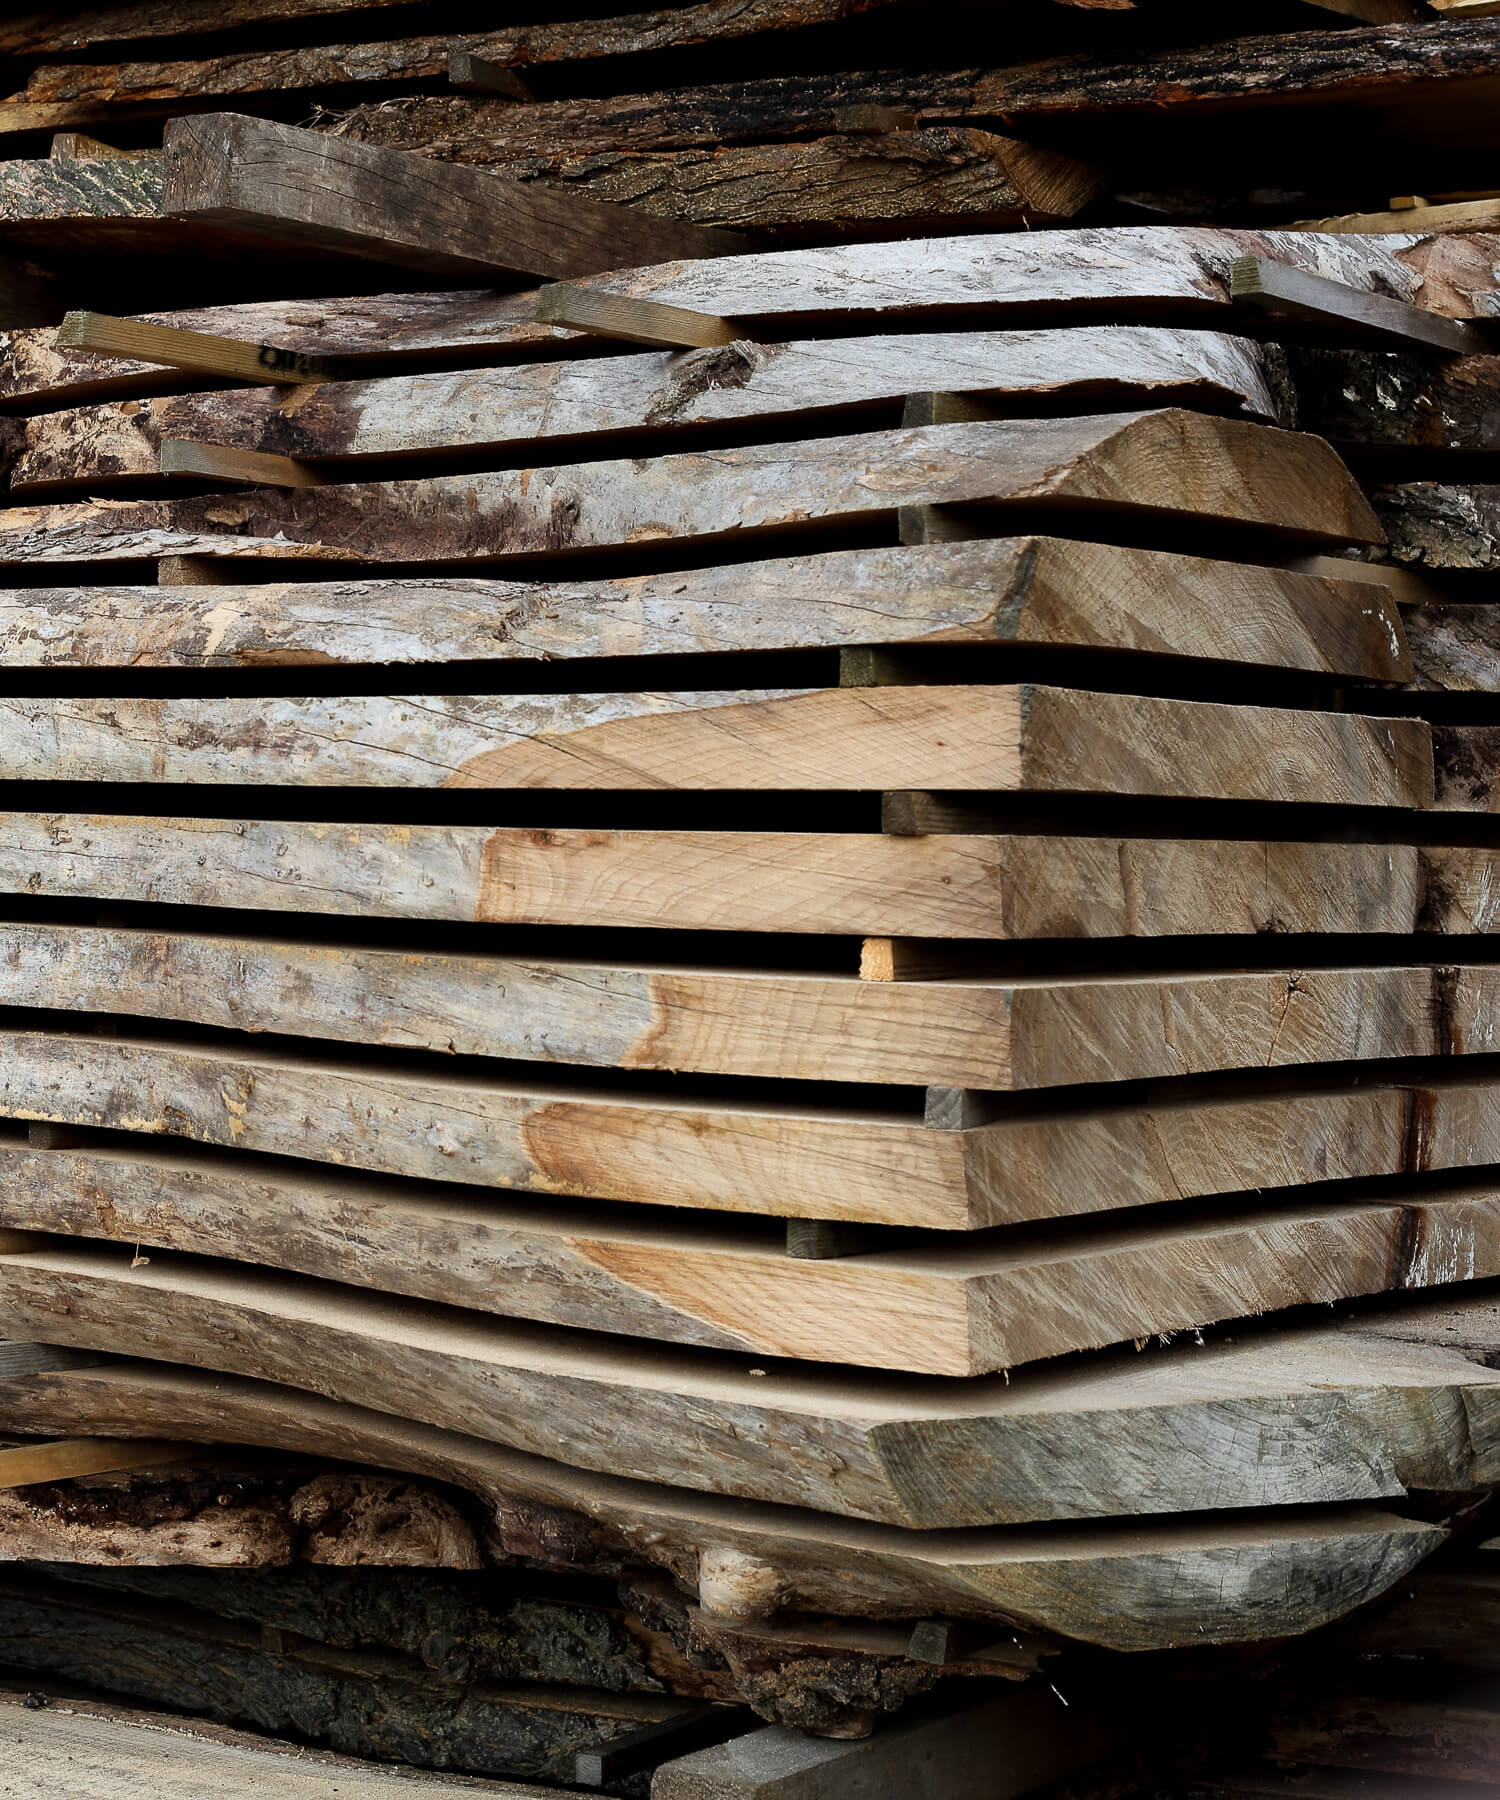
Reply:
x=833, y=187
x=1430, y=525
x=1357, y=63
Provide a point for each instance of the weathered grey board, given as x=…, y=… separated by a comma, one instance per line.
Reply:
x=1051, y=591
x=879, y=1167
x=660, y=392
x=961, y=1308
x=1365, y=1410
x=942, y=885
x=980, y=1034
x=364, y=332
x=987, y=739
x=1169, y=464
x=1074, y=268
x=1173, y=1582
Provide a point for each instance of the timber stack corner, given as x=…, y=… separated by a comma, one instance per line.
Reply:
x=750, y=899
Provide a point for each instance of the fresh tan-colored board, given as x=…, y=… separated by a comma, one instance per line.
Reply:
x=737, y=1155
x=1174, y=1582
x=940, y=885
x=196, y=352
x=1364, y=1410
x=1169, y=464
x=990, y=592
x=480, y=409
x=957, y=1308
x=995, y=739
x=983, y=1035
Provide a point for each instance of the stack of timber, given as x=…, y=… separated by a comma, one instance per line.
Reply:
x=933, y=877
x=955, y=853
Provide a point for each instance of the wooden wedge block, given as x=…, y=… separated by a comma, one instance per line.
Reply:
x=478, y=75
x=962, y=1308
x=633, y=321
x=301, y=186
x=984, y=593
x=248, y=468
x=138, y=340
x=992, y=1035
x=1000, y=739
x=24, y=1465
x=964, y=887
x=1174, y=1582
x=1166, y=465
x=1264, y=285
x=1364, y=1410
x=638, y=396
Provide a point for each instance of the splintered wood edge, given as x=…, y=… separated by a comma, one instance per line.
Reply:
x=634, y=321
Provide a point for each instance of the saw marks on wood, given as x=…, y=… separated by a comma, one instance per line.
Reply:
x=877, y=1166
x=971, y=1034
x=950, y=737
x=959, y=1307
x=946, y=885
